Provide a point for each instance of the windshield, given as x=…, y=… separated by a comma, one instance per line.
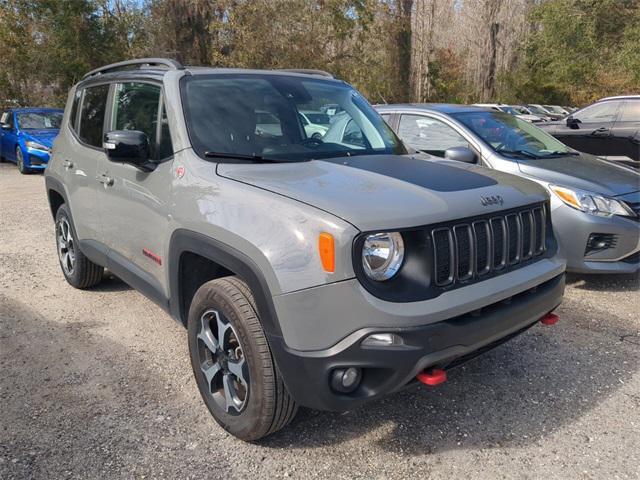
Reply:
x=510, y=110
x=269, y=117
x=511, y=136
x=553, y=109
x=39, y=120
x=537, y=110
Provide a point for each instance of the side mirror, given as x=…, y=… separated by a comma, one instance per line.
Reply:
x=572, y=122
x=461, y=154
x=128, y=146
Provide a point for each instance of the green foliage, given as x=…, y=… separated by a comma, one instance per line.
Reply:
x=579, y=51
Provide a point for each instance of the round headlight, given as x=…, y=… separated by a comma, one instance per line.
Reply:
x=382, y=255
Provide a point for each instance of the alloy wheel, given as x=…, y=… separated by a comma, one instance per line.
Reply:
x=66, y=246
x=19, y=160
x=222, y=362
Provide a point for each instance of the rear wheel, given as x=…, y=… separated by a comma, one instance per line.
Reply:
x=234, y=370
x=20, y=161
x=78, y=270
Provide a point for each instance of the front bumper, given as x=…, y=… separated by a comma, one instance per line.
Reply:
x=442, y=344
x=573, y=229
x=36, y=159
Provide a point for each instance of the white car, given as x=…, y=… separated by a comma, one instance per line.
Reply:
x=513, y=110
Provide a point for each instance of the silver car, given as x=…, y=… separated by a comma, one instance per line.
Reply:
x=595, y=204
x=307, y=272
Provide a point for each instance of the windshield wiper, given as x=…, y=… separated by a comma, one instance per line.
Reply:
x=525, y=153
x=240, y=156
x=559, y=153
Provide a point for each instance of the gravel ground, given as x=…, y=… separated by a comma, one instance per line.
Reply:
x=98, y=384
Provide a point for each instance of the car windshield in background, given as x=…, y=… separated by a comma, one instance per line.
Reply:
x=537, y=110
x=39, y=120
x=281, y=118
x=510, y=110
x=513, y=137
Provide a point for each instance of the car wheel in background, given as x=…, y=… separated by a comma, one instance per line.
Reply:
x=78, y=270
x=20, y=161
x=232, y=362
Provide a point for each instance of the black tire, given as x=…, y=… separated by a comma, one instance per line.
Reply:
x=265, y=404
x=78, y=270
x=20, y=162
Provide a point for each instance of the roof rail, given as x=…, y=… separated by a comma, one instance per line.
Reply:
x=166, y=62
x=307, y=71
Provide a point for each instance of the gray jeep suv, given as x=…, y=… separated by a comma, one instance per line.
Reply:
x=308, y=272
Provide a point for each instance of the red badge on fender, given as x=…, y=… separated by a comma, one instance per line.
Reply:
x=180, y=171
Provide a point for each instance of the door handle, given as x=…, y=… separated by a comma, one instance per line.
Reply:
x=106, y=180
x=67, y=164
x=600, y=132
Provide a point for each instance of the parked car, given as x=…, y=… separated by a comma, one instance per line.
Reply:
x=557, y=110
x=268, y=123
x=307, y=272
x=27, y=135
x=595, y=204
x=538, y=109
x=314, y=130
x=609, y=128
x=513, y=110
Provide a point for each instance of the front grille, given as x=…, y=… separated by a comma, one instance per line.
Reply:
x=635, y=206
x=469, y=250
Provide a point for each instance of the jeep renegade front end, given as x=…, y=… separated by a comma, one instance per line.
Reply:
x=322, y=271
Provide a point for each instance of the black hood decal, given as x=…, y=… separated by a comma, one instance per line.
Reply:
x=426, y=174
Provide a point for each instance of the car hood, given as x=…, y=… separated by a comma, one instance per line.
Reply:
x=45, y=137
x=583, y=171
x=389, y=191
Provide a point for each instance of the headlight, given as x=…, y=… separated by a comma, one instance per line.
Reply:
x=591, y=202
x=37, y=146
x=382, y=255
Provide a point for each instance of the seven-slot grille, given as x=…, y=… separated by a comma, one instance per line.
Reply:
x=473, y=249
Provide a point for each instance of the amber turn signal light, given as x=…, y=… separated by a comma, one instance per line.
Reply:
x=327, y=251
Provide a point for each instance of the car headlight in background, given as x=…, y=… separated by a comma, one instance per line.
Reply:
x=382, y=255
x=37, y=146
x=592, y=202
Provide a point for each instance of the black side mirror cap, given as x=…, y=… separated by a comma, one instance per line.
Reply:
x=128, y=146
x=572, y=122
x=461, y=154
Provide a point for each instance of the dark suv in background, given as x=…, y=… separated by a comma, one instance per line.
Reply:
x=608, y=128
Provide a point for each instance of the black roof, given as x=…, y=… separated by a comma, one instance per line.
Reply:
x=446, y=108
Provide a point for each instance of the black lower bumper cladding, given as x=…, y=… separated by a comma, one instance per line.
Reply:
x=440, y=345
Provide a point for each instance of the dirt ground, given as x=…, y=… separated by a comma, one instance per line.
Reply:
x=97, y=384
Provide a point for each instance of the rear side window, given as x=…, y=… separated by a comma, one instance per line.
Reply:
x=136, y=107
x=630, y=111
x=73, y=116
x=94, y=106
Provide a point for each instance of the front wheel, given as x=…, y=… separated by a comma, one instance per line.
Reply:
x=232, y=363
x=20, y=161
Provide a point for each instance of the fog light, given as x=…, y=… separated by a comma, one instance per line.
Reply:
x=382, y=340
x=346, y=380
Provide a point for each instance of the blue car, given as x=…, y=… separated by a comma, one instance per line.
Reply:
x=27, y=135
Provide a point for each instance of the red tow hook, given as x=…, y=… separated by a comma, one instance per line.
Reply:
x=432, y=377
x=550, y=319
